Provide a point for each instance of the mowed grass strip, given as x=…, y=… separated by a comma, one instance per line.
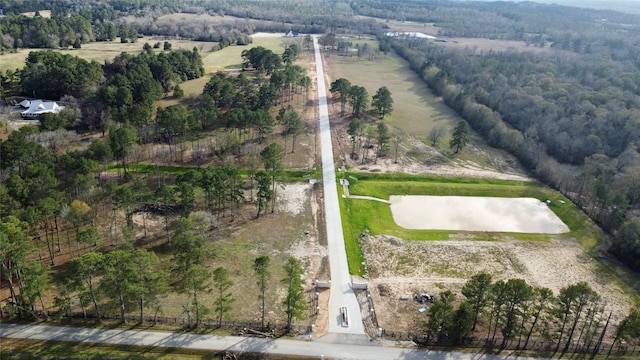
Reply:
x=375, y=217
x=142, y=168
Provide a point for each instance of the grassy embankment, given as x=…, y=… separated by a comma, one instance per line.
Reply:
x=375, y=217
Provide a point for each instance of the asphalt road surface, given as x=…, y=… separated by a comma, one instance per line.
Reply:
x=342, y=294
x=236, y=344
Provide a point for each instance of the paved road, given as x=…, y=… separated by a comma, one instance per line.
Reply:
x=315, y=349
x=341, y=292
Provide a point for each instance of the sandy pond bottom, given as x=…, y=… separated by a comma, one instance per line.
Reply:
x=469, y=213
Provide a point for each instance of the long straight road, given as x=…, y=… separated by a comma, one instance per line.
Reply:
x=307, y=349
x=342, y=294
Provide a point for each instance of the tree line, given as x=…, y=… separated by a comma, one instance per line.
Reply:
x=124, y=89
x=514, y=311
x=550, y=112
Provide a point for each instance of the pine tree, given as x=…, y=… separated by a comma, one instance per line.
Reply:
x=460, y=136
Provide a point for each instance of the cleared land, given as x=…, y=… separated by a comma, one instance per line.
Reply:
x=416, y=112
x=402, y=261
x=229, y=57
x=470, y=213
x=476, y=45
x=106, y=50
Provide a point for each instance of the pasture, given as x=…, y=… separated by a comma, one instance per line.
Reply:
x=227, y=58
x=416, y=110
x=230, y=57
x=106, y=50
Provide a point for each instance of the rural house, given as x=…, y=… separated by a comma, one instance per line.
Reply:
x=35, y=108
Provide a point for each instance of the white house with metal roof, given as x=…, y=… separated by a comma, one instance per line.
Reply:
x=35, y=108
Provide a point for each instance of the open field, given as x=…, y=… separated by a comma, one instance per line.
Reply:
x=416, y=110
x=106, y=50
x=43, y=13
x=402, y=261
x=376, y=218
x=226, y=59
x=229, y=57
x=465, y=43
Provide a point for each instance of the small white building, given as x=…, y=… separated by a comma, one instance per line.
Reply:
x=35, y=108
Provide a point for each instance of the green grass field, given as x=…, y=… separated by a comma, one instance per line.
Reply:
x=416, y=109
x=375, y=217
x=227, y=58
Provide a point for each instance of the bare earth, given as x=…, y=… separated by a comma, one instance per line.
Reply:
x=399, y=268
x=470, y=213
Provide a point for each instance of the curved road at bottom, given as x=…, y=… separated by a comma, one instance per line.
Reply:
x=236, y=344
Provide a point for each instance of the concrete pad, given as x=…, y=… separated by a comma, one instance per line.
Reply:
x=470, y=213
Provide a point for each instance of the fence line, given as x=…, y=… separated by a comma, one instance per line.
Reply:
x=208, y=322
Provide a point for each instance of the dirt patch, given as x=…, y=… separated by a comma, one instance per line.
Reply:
x=406, y=267
x=294, y=197
x=471, y=213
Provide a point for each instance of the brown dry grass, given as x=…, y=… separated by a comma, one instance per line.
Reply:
x=416, y=110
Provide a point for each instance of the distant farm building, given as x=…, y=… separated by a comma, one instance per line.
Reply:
x=35, y=108
x=417, y=35
x=292, y=33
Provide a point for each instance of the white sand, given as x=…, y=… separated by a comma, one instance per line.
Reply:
x=521, y=215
